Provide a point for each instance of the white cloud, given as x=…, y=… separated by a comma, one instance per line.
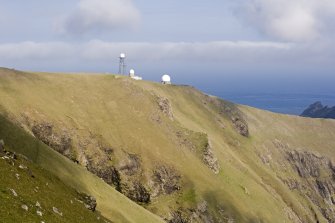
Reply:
x=290, y=20
x=95, y=16
x=34, y=50
x=184, y=51
x=98, y=50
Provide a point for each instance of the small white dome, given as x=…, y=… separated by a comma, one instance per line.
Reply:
x=166, y=78
x=132, y=72
x=122, y=55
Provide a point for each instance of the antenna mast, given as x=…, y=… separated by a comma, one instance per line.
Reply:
x=122, y=63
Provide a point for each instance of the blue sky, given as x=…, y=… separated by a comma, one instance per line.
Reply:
x=218, y=46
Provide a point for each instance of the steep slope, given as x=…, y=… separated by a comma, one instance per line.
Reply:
x=300, y=151
x=110, y=203
x=183, y=155
x=30, y=194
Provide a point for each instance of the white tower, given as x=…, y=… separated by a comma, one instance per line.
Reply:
x=122, y=63
x=166, y=79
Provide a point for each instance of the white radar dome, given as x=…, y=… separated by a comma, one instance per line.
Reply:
x=166, y=78
x=122, y=55
x=132, y=72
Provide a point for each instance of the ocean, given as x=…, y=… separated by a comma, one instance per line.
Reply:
x=293, y=104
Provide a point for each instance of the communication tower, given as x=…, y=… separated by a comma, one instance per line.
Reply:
x=122, y=63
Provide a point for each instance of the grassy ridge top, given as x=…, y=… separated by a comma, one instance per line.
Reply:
x=128, y=116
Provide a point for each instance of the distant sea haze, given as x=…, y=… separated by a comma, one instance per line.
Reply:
x=293, y=104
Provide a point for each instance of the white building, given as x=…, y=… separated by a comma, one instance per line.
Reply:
x=166, y=79
x=132, y=73
x=133, y=76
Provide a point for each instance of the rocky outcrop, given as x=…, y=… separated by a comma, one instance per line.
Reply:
x=317, y=110
x=165, y=107
x=241, y=126
x=139, y=193
x=130, y=169
x=108, y=173
x=89, y=201
x=178, y=216
x=61, y=142
x=317, y=180
x=307, y=164
x=165, y=180
x=199, y=144
x=210, y=160
x=326, y=189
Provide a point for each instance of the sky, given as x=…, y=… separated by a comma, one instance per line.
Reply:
x=248, y=46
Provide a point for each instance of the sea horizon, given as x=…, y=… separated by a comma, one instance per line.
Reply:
x=285, y=103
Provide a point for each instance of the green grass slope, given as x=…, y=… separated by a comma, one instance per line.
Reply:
x=23, y=184
x=217, y=174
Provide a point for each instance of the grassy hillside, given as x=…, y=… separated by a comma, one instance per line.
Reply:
x=198, y=157
x=111, y=204
x=30, y=194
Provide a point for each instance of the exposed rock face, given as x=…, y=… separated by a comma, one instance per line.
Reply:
x=240, y=126
x=165, y=181
x=317, y=110
x=318, y=182
x=165, y=107
x=139, y=193
x=210, y=160
x=307, y=164
x=123, y=176
x=108, y=173
x=62, y=143
x=131, y=172
x=327, y=190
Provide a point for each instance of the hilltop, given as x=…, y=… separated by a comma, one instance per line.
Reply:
x=150, y=153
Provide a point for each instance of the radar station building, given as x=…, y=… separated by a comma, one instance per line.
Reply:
x=166, y=79
x=133, y=76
